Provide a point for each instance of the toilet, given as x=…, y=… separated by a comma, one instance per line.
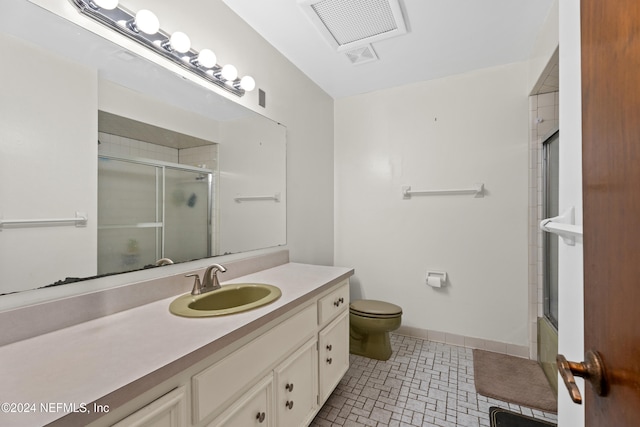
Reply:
x=370, y=323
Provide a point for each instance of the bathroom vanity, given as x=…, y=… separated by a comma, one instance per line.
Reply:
x=272, y=366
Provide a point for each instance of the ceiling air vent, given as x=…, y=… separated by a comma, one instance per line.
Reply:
x=347, y=24
x=360, y=55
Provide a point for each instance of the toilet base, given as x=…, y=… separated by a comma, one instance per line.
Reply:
x=373, y=345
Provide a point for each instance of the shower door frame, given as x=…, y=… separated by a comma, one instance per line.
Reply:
x=546, y=260
x=162, y=165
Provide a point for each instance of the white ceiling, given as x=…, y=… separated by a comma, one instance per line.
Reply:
x=445, y=37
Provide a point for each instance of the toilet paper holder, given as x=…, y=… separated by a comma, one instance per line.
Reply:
x=436, y=279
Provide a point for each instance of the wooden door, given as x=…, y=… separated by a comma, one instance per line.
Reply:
x=611, y=196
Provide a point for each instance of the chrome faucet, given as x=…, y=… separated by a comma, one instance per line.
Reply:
x=210, y=281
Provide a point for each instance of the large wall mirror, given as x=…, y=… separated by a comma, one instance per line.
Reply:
x=159, y=166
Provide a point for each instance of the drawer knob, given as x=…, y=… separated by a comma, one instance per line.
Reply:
x=289, y=387
x=289, y=404
x=329, y=347
x=338, y=302
x=329, y=360
x=260, y=417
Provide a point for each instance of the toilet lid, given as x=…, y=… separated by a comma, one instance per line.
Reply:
x=373, y=307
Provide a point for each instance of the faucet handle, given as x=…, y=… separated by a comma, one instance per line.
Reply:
x=197, y=285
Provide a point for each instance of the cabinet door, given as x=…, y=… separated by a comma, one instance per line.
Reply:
x=333, y=353
x=297, y=387
x=167, y=411
x=254, y=408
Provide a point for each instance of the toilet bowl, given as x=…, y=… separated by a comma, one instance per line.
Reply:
x=370, y=323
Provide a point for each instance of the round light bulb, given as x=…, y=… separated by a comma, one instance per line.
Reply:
x=248, y=83
x=180, y=42
x=106, y=4
x=207, y=58
x=229, y=72
x=147, y=22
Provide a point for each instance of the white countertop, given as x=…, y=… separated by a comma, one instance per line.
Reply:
x=83, y=363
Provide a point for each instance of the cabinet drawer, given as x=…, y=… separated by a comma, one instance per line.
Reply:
x=217, y=386
x=252, y=409
x=332, y=304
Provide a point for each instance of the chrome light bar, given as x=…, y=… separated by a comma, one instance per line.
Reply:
x=175, y=48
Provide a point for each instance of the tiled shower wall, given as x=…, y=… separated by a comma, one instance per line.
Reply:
x=544, y=119
x=121, y=146
x=205, y=156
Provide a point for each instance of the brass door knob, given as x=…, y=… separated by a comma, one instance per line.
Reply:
x=592, y=370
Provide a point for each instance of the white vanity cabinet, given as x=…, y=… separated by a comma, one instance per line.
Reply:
x=262, y=367
x=224, y=382
x=278, y=376
x=303, y=379
x=286, y=397
x=169, y=410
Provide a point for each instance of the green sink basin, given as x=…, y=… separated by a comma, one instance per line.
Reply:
x=229, y=299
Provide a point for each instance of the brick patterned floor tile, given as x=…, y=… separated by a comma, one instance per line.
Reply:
x=423, y=384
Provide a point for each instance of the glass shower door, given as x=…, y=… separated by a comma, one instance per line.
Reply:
x=129, y=215
x=186, y=211
x=548, y=324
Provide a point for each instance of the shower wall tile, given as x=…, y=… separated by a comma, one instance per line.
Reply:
x=121, y=146
x=546, y=100
x=205, y=156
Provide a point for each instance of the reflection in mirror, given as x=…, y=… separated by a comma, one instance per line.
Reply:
x=197, y=205
x=155, y=195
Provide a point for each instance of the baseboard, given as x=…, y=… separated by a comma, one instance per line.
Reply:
x=467, y=342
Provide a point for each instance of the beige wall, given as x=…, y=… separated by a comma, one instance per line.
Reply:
x=441, y=134
x=47, y=167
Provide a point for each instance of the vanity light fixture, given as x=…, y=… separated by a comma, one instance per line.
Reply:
x=229, y=73
x=179, y=41
x=247, y=83
x=145, y=21
x=144, y=28
x=206, y=58
x=105, y=4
